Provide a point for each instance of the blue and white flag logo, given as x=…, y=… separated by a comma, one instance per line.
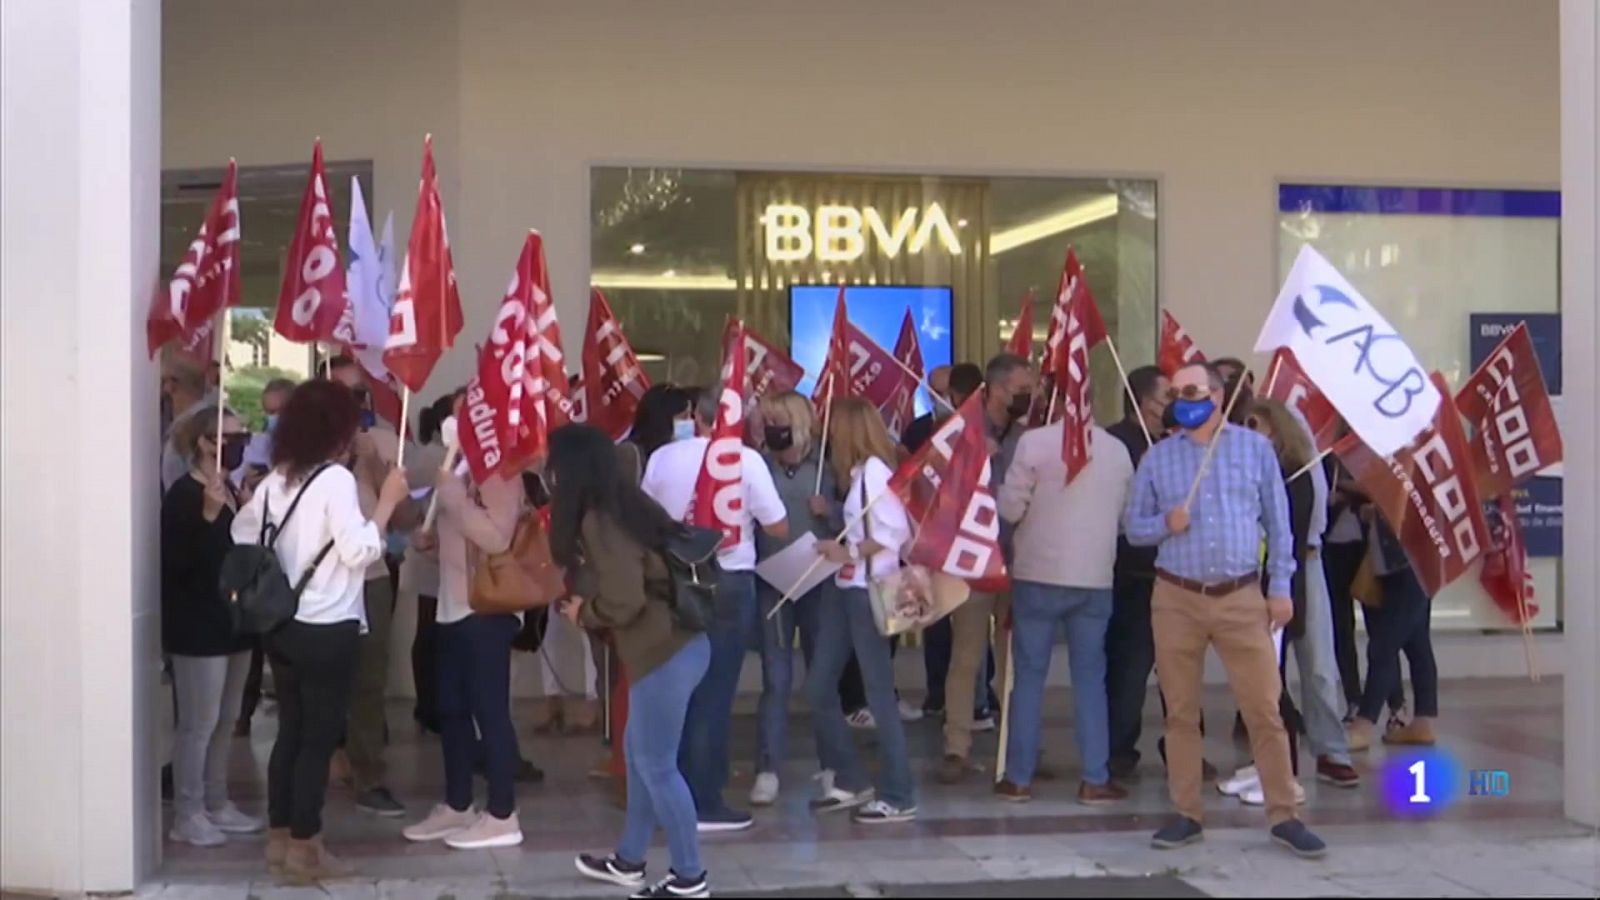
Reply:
x=1351, y=353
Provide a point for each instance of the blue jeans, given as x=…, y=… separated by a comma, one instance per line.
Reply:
x=1039, y=609
x=844, y=621
x=474, y=687
x=657, y=792
x=777, y=668
x=1320, y=699
x=704, y=754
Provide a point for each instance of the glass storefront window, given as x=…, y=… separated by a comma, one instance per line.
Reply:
x=1447, y=268
x=679, y=250
x=269, y=206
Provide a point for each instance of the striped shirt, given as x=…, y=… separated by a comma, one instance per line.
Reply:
x=1241, y=496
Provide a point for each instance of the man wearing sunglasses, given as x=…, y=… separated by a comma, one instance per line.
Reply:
x=1208, y=592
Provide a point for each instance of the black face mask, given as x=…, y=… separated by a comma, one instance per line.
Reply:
x=1020, y=404
x=232, y=454
x=779, y=437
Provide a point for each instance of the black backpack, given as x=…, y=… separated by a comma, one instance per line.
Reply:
x=253, y=584
x=691, y=558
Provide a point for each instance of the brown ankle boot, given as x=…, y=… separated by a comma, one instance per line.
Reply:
x=1418, y=732
x=277, y=849
x=309, y=862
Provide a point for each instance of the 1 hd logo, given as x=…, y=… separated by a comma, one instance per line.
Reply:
x=1423, y=784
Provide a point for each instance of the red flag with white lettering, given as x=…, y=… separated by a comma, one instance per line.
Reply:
x=312, y=299
x=1427, y=494
x=945, y=487
x=547, y=402
x=902, y=405
x=1287, y=383
x=426, y=316
x=611, y=371
x=718, y=497
x=1081, y=329
x=1505, y=576
x=874, y=377
x=768, y=370
x=1177, y=348
x=835, y=374
x=206, y=281
x=1021, y=341
x=496, y=434
x=580, y=398
x=1513, y=424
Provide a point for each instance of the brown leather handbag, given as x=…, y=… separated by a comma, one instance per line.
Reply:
x=524, y=577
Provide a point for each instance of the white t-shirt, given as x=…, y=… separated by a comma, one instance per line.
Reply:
x=887, y=523
x=329, y=510
x=669, y=479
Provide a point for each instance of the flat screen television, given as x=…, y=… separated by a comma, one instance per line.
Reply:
x=877, y=310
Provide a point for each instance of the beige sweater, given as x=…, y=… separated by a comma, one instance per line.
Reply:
x=1066, y=534
x=485, y=518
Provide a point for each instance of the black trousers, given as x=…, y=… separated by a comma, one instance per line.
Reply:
x=424, y=663
x=1130, y=657
x=1403, y=623
x=314, y=670
x=252, y=683
x=474, y=684
x=1342, y=561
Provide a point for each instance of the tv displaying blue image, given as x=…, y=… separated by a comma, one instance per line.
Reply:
x=876, y=310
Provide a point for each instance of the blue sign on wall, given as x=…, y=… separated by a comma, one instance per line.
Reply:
x=1539, y=512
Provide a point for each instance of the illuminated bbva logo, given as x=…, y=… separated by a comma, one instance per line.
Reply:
x=839, y=233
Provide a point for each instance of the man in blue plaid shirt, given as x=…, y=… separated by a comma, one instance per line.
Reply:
x=1208, y=592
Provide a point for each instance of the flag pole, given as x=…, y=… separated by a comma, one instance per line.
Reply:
x=224, y=329
x=822, y=449
x=1527, y=629
x=1128, y=386
x=405, y=416
x=920, y=381
x=1006, y=686
x=1315, y=461
x=1211, y=449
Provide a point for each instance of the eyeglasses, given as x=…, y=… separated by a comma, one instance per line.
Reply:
x=1188, y=392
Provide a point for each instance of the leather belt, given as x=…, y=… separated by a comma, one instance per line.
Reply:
x=1218, y=589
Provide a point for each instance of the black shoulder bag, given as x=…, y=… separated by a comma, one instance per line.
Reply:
x=691, y=558
x=253, y=584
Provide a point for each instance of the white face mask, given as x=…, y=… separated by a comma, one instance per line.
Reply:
x=682, y=429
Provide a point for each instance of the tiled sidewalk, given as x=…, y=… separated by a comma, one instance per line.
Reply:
x=1517, y=845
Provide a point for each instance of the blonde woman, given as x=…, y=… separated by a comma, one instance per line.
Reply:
x=863, y=458
x=788, y=440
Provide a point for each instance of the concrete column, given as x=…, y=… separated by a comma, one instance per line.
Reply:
x=1580, y=335
x=80, y=93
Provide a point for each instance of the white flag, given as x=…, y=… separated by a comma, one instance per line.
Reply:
x=1351, y=354
x=370, y=281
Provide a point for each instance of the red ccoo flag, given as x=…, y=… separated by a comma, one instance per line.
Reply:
x=902, y=405
x=1505, y=576
x=1287, y=383
x=497, y=430
x=313, y=299
x=426, y=316
x=1427, y=494
x=835, y=373
x=718, y=490
x=1021, y=341
x=1177, y=348
x=768, y=370
x=206, y=281
x=611, y=372
x=1081, y=329
x=1514, y=427
x=946, y=490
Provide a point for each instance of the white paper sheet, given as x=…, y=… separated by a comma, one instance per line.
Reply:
x=786, y=569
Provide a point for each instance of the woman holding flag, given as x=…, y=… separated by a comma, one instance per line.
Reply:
x=863, y=456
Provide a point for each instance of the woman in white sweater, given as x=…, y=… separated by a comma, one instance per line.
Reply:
x=314, y=655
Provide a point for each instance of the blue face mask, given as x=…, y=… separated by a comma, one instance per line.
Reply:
x=682, y=429
x=1191, y=414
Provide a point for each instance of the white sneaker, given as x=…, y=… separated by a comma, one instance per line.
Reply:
x=1256, y=796
x=910, y=712
x=862, y=719
x=443, y=822
x=1242, y=780
x=833, y=798
x=986, y=723
x=229, y=820
x=197, y=830
x=487, y=833
x=765, y=792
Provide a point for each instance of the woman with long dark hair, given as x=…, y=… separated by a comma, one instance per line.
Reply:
x=606, y=533
x=314, y=654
